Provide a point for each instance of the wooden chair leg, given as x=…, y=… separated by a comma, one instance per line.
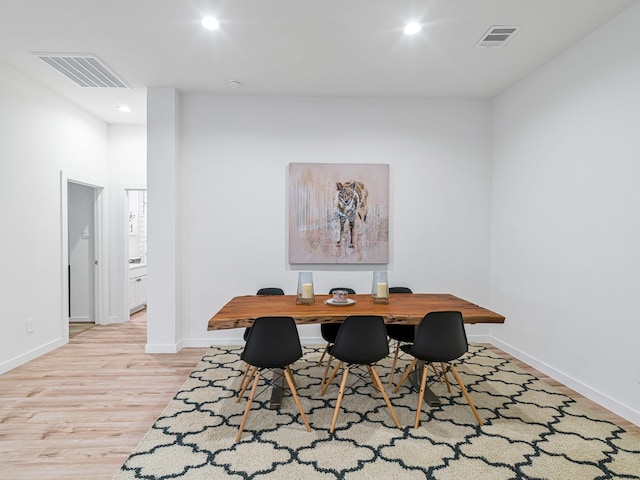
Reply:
x=339, y=400
x=406, y=374
x=293, y=379
x=446, y=377
x=423, y=386
x=326, y=347
x=373, y=380
x=333, y=375
x=395, y=361
x=244, y=376
x=292, y=386
x=326, y=370
x=466, y=394
x=384, y=394
x=246, y=385
x=248, y=407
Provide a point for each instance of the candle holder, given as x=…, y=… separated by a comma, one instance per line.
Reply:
x=380, y=288
x=305, y=289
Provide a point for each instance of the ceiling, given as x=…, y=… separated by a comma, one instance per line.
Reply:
x=353, y=48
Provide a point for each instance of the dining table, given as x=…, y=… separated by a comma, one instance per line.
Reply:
x=407, y=309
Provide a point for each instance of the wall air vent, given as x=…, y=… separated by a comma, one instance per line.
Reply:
x=85, y=70
x=496, y=36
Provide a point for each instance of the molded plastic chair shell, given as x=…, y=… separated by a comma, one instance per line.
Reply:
x=273, y=342
x=361, y=340
x=270, y=291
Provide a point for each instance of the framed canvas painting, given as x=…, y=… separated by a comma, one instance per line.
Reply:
x=338, y=213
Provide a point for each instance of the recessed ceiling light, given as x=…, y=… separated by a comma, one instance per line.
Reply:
x=124, y=108
x=235, y=83
x=412, y=28
x=210, y=23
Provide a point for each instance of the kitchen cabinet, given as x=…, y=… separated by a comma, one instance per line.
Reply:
x=137, y=287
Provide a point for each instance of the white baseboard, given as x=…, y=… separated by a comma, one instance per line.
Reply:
x=208, y=342
x=163, y=347
x=30, y=355
x=480, y=339
x=80, y=319
x=607, y=402
x=117, y=319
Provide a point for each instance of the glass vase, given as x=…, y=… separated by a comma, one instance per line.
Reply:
x=305, y=289
x=380, y=288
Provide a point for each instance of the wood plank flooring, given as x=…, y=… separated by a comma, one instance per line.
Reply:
x=77, y=412
x=78, y=327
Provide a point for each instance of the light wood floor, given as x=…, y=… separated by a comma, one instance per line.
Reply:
x=77, y=412
x=78, y=327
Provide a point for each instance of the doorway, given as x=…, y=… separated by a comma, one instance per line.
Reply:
x=82, y=227
x=136, y=202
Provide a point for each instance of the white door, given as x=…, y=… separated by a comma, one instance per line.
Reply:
x=81, y=252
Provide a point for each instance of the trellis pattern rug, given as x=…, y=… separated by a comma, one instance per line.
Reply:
x=531, y=430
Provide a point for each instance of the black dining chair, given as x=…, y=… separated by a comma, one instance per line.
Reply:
x=272, y=343
x=399, y=333
x=262, y=291
x=361, y=342
x=440, y=338
x=330, y=330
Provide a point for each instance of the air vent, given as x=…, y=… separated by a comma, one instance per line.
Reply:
x=85, y=70
x=496, y=36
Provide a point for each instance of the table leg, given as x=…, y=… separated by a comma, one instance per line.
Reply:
x=430, y=398
x=277, y=389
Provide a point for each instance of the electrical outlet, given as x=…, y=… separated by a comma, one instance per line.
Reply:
x=30, y=325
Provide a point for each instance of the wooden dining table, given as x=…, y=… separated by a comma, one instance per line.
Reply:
x=407, y=309
x=401, y=309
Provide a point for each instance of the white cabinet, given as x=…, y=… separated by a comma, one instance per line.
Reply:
x=137, y=287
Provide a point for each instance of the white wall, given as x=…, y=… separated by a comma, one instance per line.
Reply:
x=165, y=256
x=42, y=134
x=234, y=160
x=127, y=154
x=566, y=216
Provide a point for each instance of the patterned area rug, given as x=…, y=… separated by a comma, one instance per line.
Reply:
x=531, y=431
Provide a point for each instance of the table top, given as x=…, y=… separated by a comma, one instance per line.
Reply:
x=401, y=309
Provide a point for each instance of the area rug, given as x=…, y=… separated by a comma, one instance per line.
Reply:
x=531, y=430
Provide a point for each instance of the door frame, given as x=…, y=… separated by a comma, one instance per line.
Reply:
x=99, y=232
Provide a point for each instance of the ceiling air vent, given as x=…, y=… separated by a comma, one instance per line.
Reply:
x=85, y=70
x=496, y=36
